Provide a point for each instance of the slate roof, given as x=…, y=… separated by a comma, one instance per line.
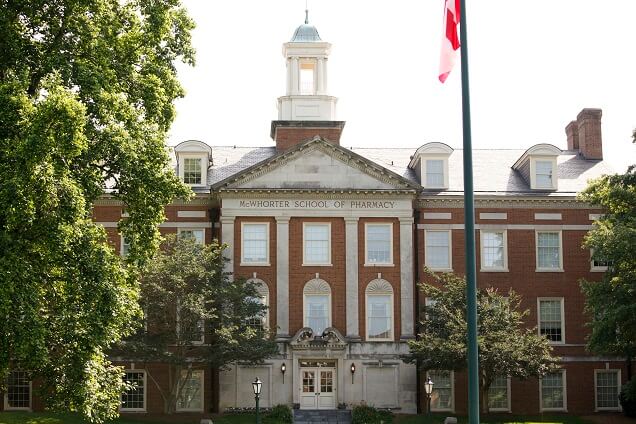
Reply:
x=492, y=168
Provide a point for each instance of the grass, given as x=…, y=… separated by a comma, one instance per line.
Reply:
x=494, y=419
x=49, y=418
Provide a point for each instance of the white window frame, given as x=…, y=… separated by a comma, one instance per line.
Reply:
x=596, y=268
x=450, y=250
x=204, y=167
x=263, y=294
x=508, y=397
x=366, y=246
x=308, y=291
x=19, y=408
x=182, y=230
x=444, y=160
x=328, y=225
x=533, y=172
x=122, y=242
x=267, y=240
x=121, y=408
x=452, y=381
x=562, y=301
x=202, y=380
x=618, y=389
x=484, y=268
x=384, y=288
x=565, y=393
x=536, y=251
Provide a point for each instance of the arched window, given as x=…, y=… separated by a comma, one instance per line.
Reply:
x=317, y=305
x=263, y=298
x=379, y=295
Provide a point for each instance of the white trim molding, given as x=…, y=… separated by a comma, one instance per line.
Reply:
x=266, y=262
x=564, y=383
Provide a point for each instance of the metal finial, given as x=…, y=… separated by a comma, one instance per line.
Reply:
x=306, y=16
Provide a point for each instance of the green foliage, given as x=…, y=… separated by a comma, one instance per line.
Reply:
x=364, y=414
x=611, y=303
x=182, y=287
x=86, y=99
x=506, y=346
x=280, y=414
x=627, y=398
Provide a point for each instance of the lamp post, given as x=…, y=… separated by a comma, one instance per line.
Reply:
x=256, y=386
x=353, y=370
x=283, y=368
x=428, y=388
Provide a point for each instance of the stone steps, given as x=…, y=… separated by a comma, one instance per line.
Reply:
x=322, y=416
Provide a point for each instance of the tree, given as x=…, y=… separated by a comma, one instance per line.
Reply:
x=611, y=302
x=506, y=346
x=188, y=299
x=86, y=99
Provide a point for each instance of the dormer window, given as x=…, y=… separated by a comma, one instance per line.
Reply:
x=193, y=158
x=538, y=166
x=192, y=170
x=430, y=163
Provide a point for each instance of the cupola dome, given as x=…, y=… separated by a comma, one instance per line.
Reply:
x=306, y=33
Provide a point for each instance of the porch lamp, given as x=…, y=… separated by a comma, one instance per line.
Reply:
x=256, y=386
x=283, y=368
x=428, y=388
x=353, y=370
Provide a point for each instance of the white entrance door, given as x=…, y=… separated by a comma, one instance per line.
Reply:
x=317, y=389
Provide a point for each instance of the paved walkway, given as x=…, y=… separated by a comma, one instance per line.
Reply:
x=314, y=416
x=616, y=418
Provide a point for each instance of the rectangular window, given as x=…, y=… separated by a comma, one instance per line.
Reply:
x=134, y=399
x=307, y=78
x=551, y=319
x=317, y=244
x=259, y=323
x=192, y=170
x=553, y=392
x=379, y=242
x=191, y=398
x=442, y=396
x=435, y=173
x=499, y=394
x=438, y=250
x=317, y=312
x=543, y=169
x=255, y=246
x=18, y=395
x=125, y=246
x=549, y=251
x=599, y=265
x=493, y=250
x=197, y=235
x=379, y=314
x=607, y=386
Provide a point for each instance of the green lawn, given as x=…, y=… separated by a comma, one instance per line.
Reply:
x=47, y=418
x=497, y=419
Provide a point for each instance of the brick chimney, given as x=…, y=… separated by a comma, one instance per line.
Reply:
x=288, y=134
x=589, y=130
x=572, y=133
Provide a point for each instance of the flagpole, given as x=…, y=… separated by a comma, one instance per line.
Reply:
x=469, y=223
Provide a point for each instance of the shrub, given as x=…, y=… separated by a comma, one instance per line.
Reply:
x=279, y=414
x=628, y=398
x=364, y=414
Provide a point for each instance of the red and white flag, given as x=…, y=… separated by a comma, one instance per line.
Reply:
x=450, y=40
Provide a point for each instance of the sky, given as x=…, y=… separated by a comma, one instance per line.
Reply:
x=533, y=65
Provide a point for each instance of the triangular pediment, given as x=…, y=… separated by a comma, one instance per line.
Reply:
x=317, y=165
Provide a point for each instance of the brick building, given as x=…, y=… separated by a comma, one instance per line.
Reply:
x=337, y=239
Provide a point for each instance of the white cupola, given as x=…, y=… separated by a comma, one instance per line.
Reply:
x=306, y=97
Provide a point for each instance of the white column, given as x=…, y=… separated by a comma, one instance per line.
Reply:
x=320, y=70
x=227, y=237
x=351, y=277
x=295, y=75
x=325, y=86
x=406, y=283
x=289, y=77
x=282, y=275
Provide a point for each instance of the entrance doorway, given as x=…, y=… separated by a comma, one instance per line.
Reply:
x=317, y=385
